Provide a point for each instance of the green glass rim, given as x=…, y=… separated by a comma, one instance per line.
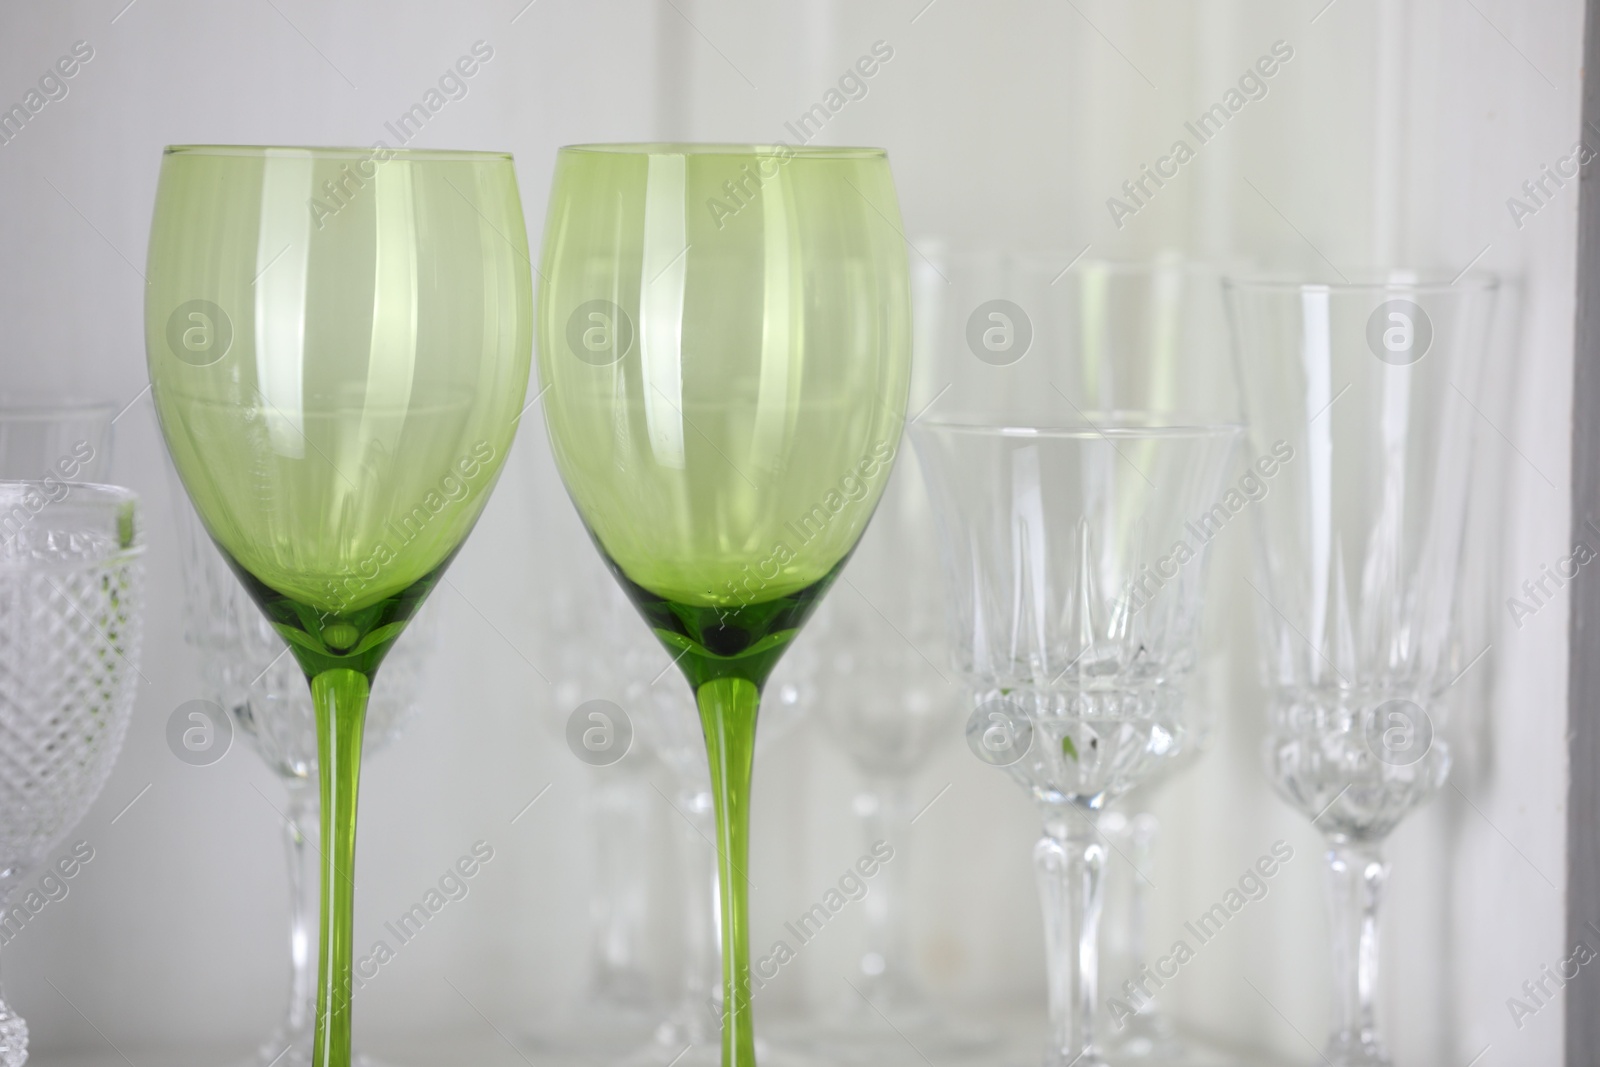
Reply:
x=418, y=155
x=1119, y=425
x=698, y=148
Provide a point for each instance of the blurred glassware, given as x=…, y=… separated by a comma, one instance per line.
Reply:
x=246, y=670
x=1359, y=394
x=51, y=437
x=619, y=1008
x=1075, y=592
x=1026, y=336
x=884, y=703
x=71, y=619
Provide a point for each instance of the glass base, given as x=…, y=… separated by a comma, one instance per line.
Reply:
x=13, y=1038
x=658, y=1054
x=1148, y=1038
x=285, y=1052
x=866, y=1037
x=1170, y=1050
x=602, y=1031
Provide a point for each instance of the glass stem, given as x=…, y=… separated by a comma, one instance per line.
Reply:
x=1069, y=861
x=728, y=709
x=619, y=979
x=340, y=696
x=886, y=817
x=698, y=1002
x=301, y=818
x=1357, y=873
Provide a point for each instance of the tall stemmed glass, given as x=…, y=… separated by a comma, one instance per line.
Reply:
x=884, y=702
x=1367, y=386
x=338, y=389
x=247, y=671
x=1075, y=595
x=670, y=729
x=71, y=618
x=1018, y=334
x=725, y=337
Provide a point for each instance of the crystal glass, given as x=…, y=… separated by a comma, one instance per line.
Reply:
x=1075, y=592
x=61, y=439
x=725, y=340
x=884, y=703
x=71, y=616
x=338, y=389
x=247, y=671
x=582, y=610
x=1359, y=399
x=1022, y=336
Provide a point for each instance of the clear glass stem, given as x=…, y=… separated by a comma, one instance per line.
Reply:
x=340, y=696
x=728, y=709
x=1357, y=873
x=886, y=814
x=301, y=815
x=1069, y=861
x=619, y=979
x=702, y=945
x=1148, y=1032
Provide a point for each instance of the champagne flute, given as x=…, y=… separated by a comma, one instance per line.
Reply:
x=1365, y=384
x=338, y=343
x=725, y=337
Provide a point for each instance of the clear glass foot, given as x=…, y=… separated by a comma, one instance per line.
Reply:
x=285, y=1050
x=13, y=1037
x=881, y=1032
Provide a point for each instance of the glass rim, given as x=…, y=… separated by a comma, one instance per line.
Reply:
x=443, y=155
x=112, y=500
x=31, y=407
x=1111, y=425
x=1076, y=262
x=1376, y=280
x=717, y=148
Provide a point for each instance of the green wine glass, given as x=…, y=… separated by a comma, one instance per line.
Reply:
x=725, y=337
x=339, y=343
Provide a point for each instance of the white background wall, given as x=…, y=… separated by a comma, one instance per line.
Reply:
x=1395, y=135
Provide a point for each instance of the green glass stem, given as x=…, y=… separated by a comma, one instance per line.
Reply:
x=340, y=696
x=728, y=709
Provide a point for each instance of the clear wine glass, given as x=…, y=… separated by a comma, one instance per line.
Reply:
x=1075, y=596
x=581, y=610
x=71, y=607
x=1020, y=336
x=883, y=702
x=1358, y=392
x=246, y=671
